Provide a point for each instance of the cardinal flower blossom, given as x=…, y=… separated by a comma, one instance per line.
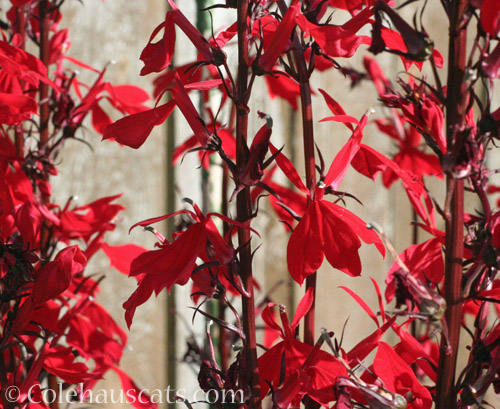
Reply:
x=307, y=370
x=327, y=229
x=174, y=262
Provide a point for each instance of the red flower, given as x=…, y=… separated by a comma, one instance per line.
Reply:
x=336, y=41
x=252, y=172
x=281, y=85
x=158, y=56
x=133, y=130
x=398, y=377
x=55, y=277
x=29, y=221
x=280, y=39
x=490, y=17
x=121, y=257
x=85, y=221
x=370, y=163
x=16, y=108
x=424, y=261
x=174, y=262
x=327, y=229
x=307, y=370
x=410, y=156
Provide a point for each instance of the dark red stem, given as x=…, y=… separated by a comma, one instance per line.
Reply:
x=223, y=341
x=44, y=134
x=308, y=138
x=309, y=158
x=414, y=240
x=44, y=105
x=224, y=350
x=310, y=164
x=244, y=208
x=456, y=102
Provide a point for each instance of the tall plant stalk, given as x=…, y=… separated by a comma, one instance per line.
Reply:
x=44, y=10
x=244, y=207
x=456, y=102
x=171, y=318
x=309, y=158
x=310, y=165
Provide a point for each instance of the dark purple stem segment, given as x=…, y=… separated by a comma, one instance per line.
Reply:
x=244, y=208
x=456, y=103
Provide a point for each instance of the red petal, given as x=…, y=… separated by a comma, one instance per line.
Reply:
x=133, y=130
x=54, y=277
x=341, y=163
x=28, y=221
x=81, y=64
x=340, y=243
x=295, y=201
x=176, y=261
x=60, y=361
x=196, y=38
x=490, y=16
x=399, y=377
x=376, y=75
x=362, y=304
x=495, y=293
x=303, y=308
x=334, y=41
x=160, y=218
x=157, y=56
x=367, y=345
x=288, y=169
x=269, y=317
x=359, y=227
x=121, y=257
x=425, y=262
x=380, y=300
x=305, y=247
x=282, y=86
x=368, y=163
x=100, y=119
x=135, y=396
x=281, y=38
x=183, y=148
x=338, y=111
x=269, y=364
x=434, y=119
x=189, y=112
x=233, y=222
x=144, y=290
x=223, y=251
x=203, y=85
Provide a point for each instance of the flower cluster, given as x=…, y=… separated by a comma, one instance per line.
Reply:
x=440, y=131
x=52, y=329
